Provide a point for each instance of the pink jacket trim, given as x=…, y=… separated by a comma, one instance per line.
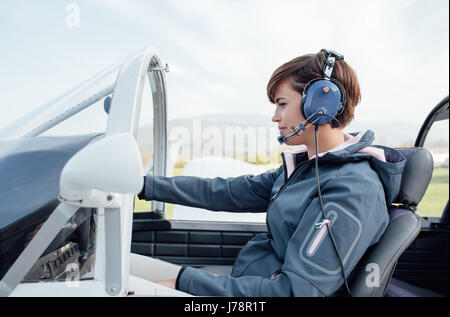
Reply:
x=348, y=140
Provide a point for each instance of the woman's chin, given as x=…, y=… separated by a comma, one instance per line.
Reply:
x=295, y=141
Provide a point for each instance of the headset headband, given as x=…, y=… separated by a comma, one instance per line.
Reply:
x=328, y=66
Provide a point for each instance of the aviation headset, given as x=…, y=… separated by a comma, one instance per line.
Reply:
x=324, y=97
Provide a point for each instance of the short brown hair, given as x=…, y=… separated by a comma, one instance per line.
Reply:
x=304, y=68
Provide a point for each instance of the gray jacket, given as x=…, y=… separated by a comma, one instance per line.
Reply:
x=296, y=257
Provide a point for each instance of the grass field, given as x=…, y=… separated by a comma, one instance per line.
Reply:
x=436, y=196
x=431, y=205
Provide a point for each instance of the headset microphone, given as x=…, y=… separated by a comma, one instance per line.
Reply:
x=296, y=131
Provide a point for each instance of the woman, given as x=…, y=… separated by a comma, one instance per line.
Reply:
x=318, y=227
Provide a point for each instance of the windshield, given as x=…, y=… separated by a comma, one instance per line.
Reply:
x=78, y=111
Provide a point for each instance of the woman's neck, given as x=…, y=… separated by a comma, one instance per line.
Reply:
x=328, y=139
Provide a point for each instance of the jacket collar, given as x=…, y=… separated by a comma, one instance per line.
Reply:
x=353, y=143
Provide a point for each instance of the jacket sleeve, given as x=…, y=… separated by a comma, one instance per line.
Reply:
x=355, y=205
x=247, y=193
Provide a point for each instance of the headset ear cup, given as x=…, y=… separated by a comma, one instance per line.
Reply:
x=307, y=104
x=302, y=105
x=343, y=96
x=305, y=97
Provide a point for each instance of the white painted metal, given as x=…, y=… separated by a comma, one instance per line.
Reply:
x=158, y=86
x=93, y=288
x=218, y=225
x=123, y=118
x=93, y=176
x=86, y=288
x=127, y=97
x=100, y=257
x=113, y=252
x=126, y=228
x=142, y=287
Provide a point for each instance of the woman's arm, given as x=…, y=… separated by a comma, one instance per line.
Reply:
x=247, y=193
x=358, y=210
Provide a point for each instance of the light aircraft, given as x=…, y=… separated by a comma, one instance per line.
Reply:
x=67, y=226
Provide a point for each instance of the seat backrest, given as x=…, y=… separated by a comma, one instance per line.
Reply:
x=374, y=271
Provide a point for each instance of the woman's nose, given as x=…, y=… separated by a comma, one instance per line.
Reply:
x=276, y=117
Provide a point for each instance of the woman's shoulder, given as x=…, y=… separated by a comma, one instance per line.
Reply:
x=360, y=170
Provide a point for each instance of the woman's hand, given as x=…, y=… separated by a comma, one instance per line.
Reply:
x=167, y=283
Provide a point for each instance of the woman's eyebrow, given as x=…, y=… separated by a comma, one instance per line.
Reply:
x=278, y=99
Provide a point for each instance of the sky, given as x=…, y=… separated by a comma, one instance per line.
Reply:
x=221, y=53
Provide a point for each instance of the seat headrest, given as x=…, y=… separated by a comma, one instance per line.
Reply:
x=416, y=176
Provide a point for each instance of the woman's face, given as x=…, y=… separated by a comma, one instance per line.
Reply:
x=287, y=112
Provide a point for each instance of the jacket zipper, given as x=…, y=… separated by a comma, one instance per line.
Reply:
x=319, y=237
x=321, y=234
x=286, y=182
x=284, y=167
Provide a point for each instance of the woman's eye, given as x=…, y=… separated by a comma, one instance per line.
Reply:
x=283, y=104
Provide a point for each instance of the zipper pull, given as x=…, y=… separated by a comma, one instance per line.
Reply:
x=278, y=191
x=319, y=225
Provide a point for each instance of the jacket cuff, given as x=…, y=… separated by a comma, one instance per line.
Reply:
x=177, y=283
x=147, y=191
x=141, y=195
